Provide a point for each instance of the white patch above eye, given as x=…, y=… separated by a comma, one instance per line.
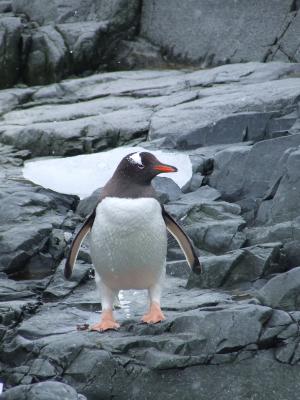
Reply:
x=135, y=158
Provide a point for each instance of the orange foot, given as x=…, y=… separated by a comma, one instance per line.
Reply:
x=154, y=315
x=107, y=322
x=104, y=325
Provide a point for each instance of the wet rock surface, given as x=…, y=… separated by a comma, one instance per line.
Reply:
x=44, y=390
x=230, y=333
x=32, y=219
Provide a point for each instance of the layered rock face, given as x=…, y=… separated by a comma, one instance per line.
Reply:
x=45, y=41
x=230, y=333
x=218, y=32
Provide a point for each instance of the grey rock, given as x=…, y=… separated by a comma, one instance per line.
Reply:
x=92, y=363
x=46, y=57
x=296, y=126
x=202, y=163
x=178, y=268
x=10, y=39
x=70, y=136
x=212, y=342
x=287, y=232
x=9, y=99
x=254, y=376
x=166, y=189
x=275, y=325
x=116, y=108
x=296, y=355
x=282, y=291
x=292, y=252
x=261, y=158
x=282, y=202
x=87, y=205
x=281, y=125
x=179, y=208
x=62, y=39
x=42, y=369
x=84, y=254
x=194, y=183
x=239, y=266
x=286, y=352
x=17, y=247
x=199, y=36
x=258, y=261
x=59, y=286
x=202, y=327
x=174, y=254
x=11, y=290
x=28, y=214
x=199, y=196
x=10, y=313
x=289, y=331
x=5, y=6
x=158, y=360
x=226, y=175
x=137, y=53
x=216, y=269
x=214, y=226
x=55, y=319
x=83, y=44
x=226, y=120
x=287, y=48
x=45, y=13
x=284, y=231
x=215, y=334
x=57, y=243
x=244, y=73
x=47, y=390
x=257, y=166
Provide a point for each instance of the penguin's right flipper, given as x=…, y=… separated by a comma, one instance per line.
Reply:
x=75, y=246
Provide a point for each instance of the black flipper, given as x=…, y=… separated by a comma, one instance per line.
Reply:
x=184, y=242
x=75, y=246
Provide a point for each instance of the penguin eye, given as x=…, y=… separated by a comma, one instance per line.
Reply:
x=141, y=166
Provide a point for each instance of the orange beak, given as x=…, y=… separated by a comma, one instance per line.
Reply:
x=165, y=168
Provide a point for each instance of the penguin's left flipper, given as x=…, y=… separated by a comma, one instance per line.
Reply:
x=75, y=245
x=184, y=242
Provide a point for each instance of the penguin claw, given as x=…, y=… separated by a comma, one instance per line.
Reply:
x=154, y=316
x=149, y=319
x=104, y=326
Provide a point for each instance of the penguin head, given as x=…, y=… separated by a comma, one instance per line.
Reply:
x=142, y=167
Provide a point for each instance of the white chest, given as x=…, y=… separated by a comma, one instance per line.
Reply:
x=129, y=242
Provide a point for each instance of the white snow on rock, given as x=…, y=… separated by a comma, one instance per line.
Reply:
x=83, y=174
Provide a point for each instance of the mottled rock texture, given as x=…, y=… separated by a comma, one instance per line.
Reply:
x=176, y=109
x=46, y=41
x=218, y=32
x=231, y=333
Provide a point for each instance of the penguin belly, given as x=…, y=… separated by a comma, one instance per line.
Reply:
x=129, y=242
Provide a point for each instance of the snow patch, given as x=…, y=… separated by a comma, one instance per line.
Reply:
x=82, y=175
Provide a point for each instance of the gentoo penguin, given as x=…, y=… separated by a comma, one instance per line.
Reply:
x=128, y=237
